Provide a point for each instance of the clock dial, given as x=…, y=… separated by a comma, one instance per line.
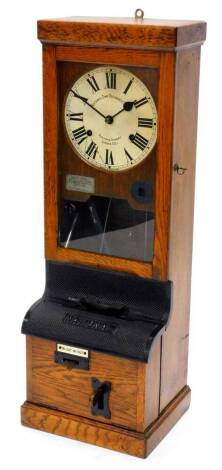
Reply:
x=111, y=119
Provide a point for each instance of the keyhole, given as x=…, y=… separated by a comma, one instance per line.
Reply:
x=101, y=401
x=141, y=192
x=100, y=405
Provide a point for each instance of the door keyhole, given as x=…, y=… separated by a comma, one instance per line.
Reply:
x=100, y=398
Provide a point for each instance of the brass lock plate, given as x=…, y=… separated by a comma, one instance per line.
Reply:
x=72, y=356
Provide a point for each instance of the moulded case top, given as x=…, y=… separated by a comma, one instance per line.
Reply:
x=126, y=32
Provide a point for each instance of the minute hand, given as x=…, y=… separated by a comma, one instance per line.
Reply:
x=85, y=100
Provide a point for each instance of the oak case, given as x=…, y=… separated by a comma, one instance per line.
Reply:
x=166, y=55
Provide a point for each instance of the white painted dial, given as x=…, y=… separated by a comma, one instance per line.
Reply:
x=111, y=119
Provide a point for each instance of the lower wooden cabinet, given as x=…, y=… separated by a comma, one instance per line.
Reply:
x=114, y=403
x=71, y=390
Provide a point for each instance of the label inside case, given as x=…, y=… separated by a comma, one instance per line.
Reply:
x=84, y=184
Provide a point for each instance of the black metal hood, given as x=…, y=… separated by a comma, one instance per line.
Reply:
x=108, y=311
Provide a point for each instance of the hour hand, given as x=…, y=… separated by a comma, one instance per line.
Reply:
x=127, y=106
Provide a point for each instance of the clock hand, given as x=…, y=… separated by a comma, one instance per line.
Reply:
x=85, y=100
x=127, y=106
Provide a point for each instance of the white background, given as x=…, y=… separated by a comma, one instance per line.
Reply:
x=196, y=439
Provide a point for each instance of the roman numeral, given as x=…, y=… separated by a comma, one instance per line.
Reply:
x=128, y=87
x=145, y=122
x=139, y=141
x=75, y=116
x=92, y=149
x=80, y=134
x=128, y=156
x=93, y=83
x=109, y=157
x=111, y=79
x=141, y=102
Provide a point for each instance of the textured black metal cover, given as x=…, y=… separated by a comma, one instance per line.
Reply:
x=107, y=311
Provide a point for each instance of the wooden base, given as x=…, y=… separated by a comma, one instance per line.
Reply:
x=104, y=435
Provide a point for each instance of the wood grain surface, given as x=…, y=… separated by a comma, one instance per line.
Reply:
x=164, y=165
x=163, y=150
x=102, y=434
x=51, y=125
x=175, y=339
x=70, y=390
x=146, y=399
x=124, y=32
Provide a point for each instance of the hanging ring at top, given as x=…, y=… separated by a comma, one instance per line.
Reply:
x=139, y=14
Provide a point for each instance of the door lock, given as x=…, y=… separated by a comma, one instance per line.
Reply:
x=100, y=398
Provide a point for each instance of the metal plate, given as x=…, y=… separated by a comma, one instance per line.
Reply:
x=72, y=350
x=84, y=184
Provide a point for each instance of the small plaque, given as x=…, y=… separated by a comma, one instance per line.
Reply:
x=72, y=350
x=84, y=184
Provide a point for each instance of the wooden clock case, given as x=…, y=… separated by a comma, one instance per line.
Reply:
x=146, y=397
